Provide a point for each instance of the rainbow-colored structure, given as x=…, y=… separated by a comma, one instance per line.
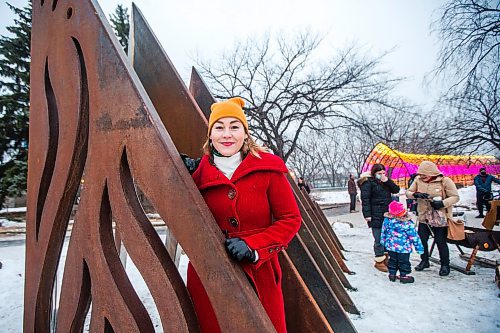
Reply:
x=461, y=169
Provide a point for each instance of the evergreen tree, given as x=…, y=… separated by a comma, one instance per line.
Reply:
x=14, y=103
x=120, y=22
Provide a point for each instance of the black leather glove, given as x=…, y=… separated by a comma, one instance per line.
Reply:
x=420, y=195
x=239, y=250
x=437, y=204
x=190, y=163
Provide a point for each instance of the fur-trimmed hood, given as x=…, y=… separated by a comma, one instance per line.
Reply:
x=364, y=177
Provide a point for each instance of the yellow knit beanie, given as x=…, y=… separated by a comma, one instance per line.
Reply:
x=232, y=107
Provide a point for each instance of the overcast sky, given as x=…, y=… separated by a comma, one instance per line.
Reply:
x=206, y=28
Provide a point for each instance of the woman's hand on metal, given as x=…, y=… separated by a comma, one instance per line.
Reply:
x=239, y=250
x=190, y=163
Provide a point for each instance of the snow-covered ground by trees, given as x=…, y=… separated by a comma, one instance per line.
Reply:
x=456, y=303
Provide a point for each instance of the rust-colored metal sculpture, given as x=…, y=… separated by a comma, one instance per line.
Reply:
x=298, y=296
x=200, y=92
x=316, y=270
x=323, y=257
x=91, y=117
x=142, y=40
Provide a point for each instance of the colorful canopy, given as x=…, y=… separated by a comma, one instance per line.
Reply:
x=461, y=169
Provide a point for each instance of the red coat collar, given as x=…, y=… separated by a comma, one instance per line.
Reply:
x=207, y=175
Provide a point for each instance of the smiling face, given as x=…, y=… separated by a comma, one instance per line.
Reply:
x=228, y=135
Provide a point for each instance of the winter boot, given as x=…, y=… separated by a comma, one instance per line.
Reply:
x=423, y=264
x=380, y=265
x=392, y=278
x=444, y=271
x=386, y=260
x=406, y=279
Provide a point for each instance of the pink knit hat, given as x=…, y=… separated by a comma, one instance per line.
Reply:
x=397, y=209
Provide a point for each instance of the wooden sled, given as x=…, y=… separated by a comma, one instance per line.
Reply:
x=476, y=239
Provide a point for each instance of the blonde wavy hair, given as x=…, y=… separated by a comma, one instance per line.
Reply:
x=249, y=146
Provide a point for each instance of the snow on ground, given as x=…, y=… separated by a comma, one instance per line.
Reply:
x=331, y=197
x=456, y=303
x=13, y=210
x=433, y=304
x=11, y=289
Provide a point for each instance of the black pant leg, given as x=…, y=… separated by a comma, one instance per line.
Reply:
x=479, y=203
x=488, y=205
x=404, y=264
x=424, y=233
x=353, y=201
x=441, y=234
x=392, y=263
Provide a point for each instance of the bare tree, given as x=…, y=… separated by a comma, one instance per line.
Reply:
x=328, y=155
x=475, y=117
x=288, y=90
x=335, y=153
x=333, y=149
x=304, y=161
x=406, y=128
x=470, y=31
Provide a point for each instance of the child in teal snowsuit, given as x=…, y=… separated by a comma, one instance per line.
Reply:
x=398, y=237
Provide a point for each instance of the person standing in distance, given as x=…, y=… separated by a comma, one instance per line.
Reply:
x=353, y=192
x=483, y=190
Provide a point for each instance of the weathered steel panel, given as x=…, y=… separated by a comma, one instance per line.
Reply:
x=310, y=318
x=90, y=117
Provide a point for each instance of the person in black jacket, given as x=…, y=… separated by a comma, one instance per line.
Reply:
x=376, y=189
x=303, y=184
x=483, y=190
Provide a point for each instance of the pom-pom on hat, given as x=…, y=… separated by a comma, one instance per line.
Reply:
x=232, y=107
x=397, y=209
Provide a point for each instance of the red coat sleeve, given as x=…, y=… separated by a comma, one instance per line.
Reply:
x=286, y=223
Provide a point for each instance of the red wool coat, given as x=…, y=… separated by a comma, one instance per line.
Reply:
x=258, y=206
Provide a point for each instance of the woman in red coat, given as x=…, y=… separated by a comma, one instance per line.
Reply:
x=249, y=196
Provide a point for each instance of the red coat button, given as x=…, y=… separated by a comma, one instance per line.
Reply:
x=231, y=194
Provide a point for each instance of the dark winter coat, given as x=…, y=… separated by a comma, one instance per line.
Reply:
x=375, y=198
x=305, y=186
x=351, y=186
x=258, y=206
x=484, y=187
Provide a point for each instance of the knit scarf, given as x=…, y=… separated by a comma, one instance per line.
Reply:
x=227, y=165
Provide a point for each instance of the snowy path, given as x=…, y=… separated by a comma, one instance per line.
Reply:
x=434, y=304
x=456, y=303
